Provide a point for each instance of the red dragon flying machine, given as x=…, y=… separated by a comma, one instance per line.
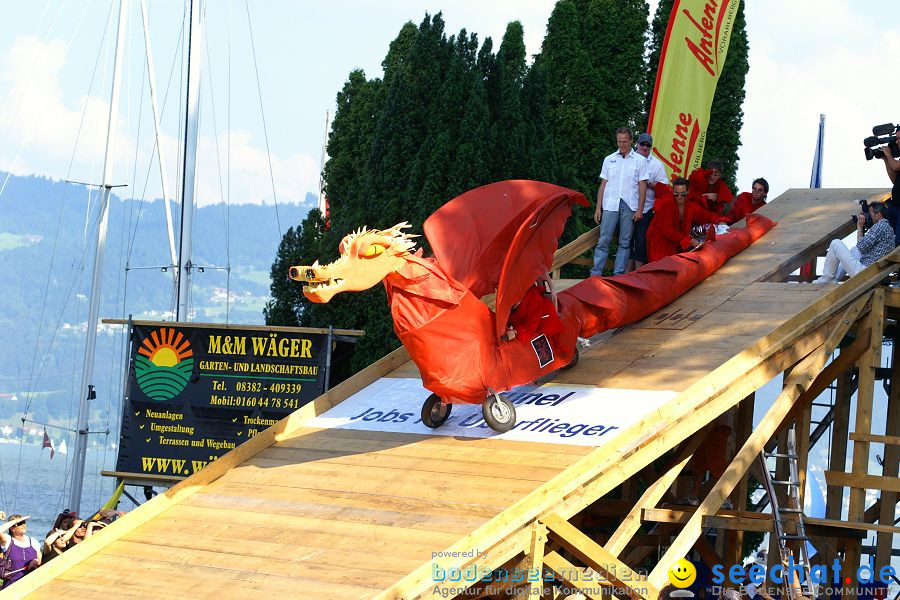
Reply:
x=499, y=238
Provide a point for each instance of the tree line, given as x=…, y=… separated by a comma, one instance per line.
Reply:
x=451, y=113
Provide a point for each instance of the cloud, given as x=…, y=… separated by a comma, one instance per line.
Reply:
x=831, y=64
x=44, y=123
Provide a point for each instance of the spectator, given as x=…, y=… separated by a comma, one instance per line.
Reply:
x=656, y=173
x=620, y=201
x=709, y=190
x=670, y=231
x=24, y=551
x=870, y=246
x=54, y=545
x=748, y=202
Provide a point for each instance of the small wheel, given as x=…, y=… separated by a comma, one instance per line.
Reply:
x=574, y=360
x=499, y=413
x=435, y=411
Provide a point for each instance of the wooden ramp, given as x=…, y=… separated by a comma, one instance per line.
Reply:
x=336, y=513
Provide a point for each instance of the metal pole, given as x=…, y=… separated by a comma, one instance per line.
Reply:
x=328, y=345
x=87, y=374
x=189, y=170
x=151, y=76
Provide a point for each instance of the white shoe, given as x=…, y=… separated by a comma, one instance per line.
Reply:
x=824, y=279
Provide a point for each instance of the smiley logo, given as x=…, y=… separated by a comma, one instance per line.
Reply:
x=682, y=573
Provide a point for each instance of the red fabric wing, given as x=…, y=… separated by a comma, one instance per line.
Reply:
x=472, y=234
x=531, y=254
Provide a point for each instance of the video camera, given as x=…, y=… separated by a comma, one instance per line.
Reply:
x=882, y=134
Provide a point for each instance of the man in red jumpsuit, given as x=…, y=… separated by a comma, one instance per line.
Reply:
x=709, y=190
x=748, y=202
x=670, y=230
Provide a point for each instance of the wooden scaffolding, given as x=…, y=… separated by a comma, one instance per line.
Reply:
x=313, y=513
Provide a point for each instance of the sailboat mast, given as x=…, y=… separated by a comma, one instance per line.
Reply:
x=189, y=170
x=87, y=374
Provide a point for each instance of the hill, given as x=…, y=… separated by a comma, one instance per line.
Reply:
x=46, y=260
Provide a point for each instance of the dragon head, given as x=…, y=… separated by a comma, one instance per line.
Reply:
x=367, y=257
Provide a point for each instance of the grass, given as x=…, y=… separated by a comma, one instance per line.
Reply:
x=10, y=241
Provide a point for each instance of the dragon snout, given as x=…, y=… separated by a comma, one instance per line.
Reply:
x=306, y=274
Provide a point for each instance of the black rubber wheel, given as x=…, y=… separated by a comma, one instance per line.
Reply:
x=499, y=413
x=574, y=360
x=435, y=411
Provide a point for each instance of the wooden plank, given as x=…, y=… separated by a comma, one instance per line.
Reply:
x=857, y=525
x=891, y=440
x=838, y=462
x=885, y=541
x=575, y=578
x=861, y=481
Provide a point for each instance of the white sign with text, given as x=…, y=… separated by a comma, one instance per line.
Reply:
x=551, y=413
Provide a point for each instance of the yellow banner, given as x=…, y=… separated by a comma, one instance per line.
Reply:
x=692, y=57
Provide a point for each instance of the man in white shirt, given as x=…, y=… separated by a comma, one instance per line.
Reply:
x=620, y=201
x=656, y=173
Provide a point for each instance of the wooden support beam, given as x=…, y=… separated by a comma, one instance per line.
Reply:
x=707, y=553
x=835, y=495
x=575, y=578
x=575, y=248
x=858, y=526
x=599, y=559
x=888, y=440
x=534, y=560
x=862, y=481
x=726, y=519
x=885, y=541
x=651, y=497
x=734, y=540
x=800, y=379
x=867, y=364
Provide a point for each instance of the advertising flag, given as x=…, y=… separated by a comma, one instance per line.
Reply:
x=693, y=54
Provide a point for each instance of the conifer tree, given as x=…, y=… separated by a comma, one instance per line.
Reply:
x=594, y=56
x=511, y=152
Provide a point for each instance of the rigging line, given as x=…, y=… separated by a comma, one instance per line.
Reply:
x=153, y=150
x=15, y=114
x=78, y=273
x=263, y=114
x=212, y=103
x=228, y=180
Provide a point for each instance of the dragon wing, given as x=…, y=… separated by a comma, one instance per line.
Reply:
x=473, y=235
x=531, y=252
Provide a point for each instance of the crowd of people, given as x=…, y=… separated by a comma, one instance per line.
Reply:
x=22, y=554
x=656, y=219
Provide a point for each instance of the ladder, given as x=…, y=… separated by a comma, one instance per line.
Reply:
x=792, y=485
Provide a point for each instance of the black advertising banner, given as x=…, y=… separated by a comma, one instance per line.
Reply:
x=195, y=392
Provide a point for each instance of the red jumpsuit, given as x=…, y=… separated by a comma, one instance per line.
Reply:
x=743, y=206
x=670, y=233
x=699, y=185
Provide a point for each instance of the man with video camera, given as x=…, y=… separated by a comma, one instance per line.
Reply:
x=892, y=165
x=870, y=246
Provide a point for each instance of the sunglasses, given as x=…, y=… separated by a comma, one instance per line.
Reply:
x=646, y=144
x=680, y=193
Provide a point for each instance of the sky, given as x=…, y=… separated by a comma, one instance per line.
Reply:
x=55, y=72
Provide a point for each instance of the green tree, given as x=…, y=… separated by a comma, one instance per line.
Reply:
x=594, y=56
x=511, y=158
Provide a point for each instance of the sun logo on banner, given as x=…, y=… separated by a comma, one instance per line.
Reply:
x=163, y=364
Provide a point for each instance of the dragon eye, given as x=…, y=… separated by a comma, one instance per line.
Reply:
x=373, y=250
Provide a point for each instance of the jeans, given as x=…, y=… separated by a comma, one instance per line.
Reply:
x=841, y=258
x=624, y=218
